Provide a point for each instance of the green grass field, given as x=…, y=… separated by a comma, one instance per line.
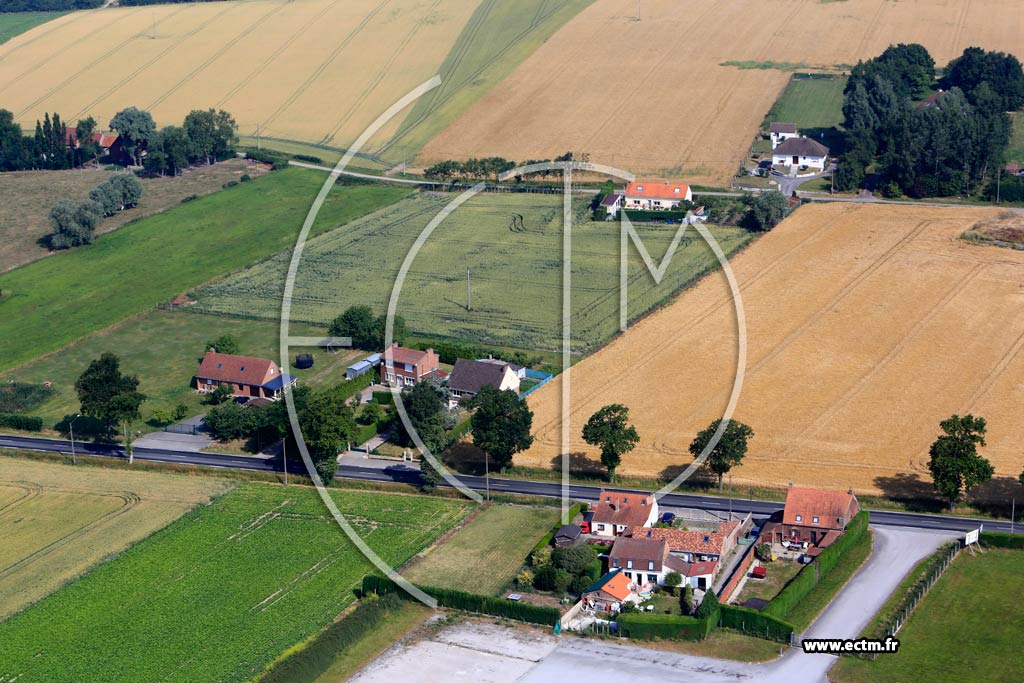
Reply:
x=62, y=298
x=57, y=521
x=810, y=103
x=497, y=38
x=485, y=554
x=966, y=629
x=163, y=348
x=512, y=246
x=219, y=593
x=16, y=23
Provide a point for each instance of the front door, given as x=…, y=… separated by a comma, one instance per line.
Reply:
x=796, y=160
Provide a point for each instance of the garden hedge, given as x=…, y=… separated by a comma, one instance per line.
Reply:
x=646, y=626
x=754, y=623
x=1001, y=539
x=546, y=539
x=480, y=604
x=795, y=591
x=313, y=660
x=654, y=216
x=13, y=421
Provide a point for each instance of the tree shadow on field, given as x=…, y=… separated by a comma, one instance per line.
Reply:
x=701, y=480
x=580, y=464
x=465, y=458
x=996, y=496
x=911, y=491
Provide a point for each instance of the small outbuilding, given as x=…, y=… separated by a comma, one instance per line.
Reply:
x=362, y=367
x=568, y=535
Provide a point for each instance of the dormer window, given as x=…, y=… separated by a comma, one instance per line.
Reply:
x=676, y=190
x=241, y=369
x=814, y=520
x=639, y=188
x=650, y=566
x=220, y=365
x=799, y=518
x=629, y=564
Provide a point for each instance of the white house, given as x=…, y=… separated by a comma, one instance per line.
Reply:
x=780, y=132
x=645, y=561
x=612, y=203
x=617, y=512
x=654, y=195
x=800, y=152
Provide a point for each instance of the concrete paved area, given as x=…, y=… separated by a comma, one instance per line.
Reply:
x=480, y=651
x=179, y=442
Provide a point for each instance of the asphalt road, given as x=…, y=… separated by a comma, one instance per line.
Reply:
x=405, y=474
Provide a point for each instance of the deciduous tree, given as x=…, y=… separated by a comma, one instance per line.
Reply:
x=955, y=464
x=609, y=430
x=106, y=394
x=730, y=449
x=501, y=425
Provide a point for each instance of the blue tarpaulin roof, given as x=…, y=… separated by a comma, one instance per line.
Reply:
x=278, y=382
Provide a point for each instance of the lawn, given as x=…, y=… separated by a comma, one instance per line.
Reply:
x=164, y=348
x=494, y=41
x=779, y=574
x=29, y=196
x=510, y=243
x=60, y=299
x=963, y=630
x=487, y=553
x=16, y=23
x=220, y=593
x=810, y=103
x=57, y=521
x=721, y=643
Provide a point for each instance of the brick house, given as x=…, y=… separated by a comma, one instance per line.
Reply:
x=616, y=512
x=697, y=554
x=247, y=376
x=404, y=367
x=812, y=516
x=644, y=560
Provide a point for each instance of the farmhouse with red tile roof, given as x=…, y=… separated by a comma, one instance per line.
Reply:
x=813, y=516
x=616, y=512
x=247, y=376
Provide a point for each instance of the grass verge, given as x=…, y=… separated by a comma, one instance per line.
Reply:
x=720, y=644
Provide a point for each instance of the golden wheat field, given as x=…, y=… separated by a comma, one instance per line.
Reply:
x=57, y=520
x=313, y=70
x=866, y=324
x=651, y=96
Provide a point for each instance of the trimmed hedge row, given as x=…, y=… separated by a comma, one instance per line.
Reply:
x=14, y=421
x=795, y=591
x=754, y=623
x=654, y=216
x=808, y=577
x=312, y=661
x=645, y=626
x=1000, y=539
x=480, y=604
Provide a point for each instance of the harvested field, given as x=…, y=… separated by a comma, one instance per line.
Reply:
x=57, y=521
x=651, y=96
x=316, y=70
x=1007, y=227
x=29, y=196
x=867, y=325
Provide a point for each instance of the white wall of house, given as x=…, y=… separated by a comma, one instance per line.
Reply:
x=779, y=138
x=787, y=160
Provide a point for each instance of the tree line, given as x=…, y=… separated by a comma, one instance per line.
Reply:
x=205, y=136
x=65, y=5
x=74, y=224
x=488, y=168
x=927, y=138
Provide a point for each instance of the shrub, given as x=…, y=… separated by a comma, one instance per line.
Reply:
x=524, y=578
x=229, y=184
x=646, y=626
x=245, y=178
x=580, y=583
x=180, y=411
x=540, y=557
x=551, y=578
x=17, y=397
x=481, y=604
x=754, y=623
x=673, y=579
x=574, y=559
x=686, y=601
x=308, y=157
x=999, y=539
x=370, y=414
x=763, y=552
x=29, y=424
x=708, y=606
x=190, y=198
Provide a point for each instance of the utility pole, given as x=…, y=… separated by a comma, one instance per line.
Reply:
x=74, y=460
x=730, y=497
x=1013, y=512
x=638, y=10
x=152, y=36
x=469, y=292
x=487, y=475
x=999, y=177
x=284, y=456
x=259, y=145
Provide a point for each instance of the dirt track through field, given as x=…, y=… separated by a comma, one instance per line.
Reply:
x=867, y=325
x=651, y=96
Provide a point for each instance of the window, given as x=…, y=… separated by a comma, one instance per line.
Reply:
x=615, y=562
x=639, y=188
x=241, y=369
x=629, y=564
x=220, y=365
x=799, y=518
x=676, y=190
x=814, y=520
x=650, y=566
x=652, y=578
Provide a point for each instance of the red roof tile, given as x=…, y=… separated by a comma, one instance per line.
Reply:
x=639, y=551
x=629, y=509
x=834, y=509
x=679, y=541
x=221, y=367
x=400, y=354
x=657, y=189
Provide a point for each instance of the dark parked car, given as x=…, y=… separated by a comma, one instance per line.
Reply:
x=668, y=518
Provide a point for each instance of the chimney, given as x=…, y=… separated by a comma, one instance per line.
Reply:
x=850, y=490
x=790, y=484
